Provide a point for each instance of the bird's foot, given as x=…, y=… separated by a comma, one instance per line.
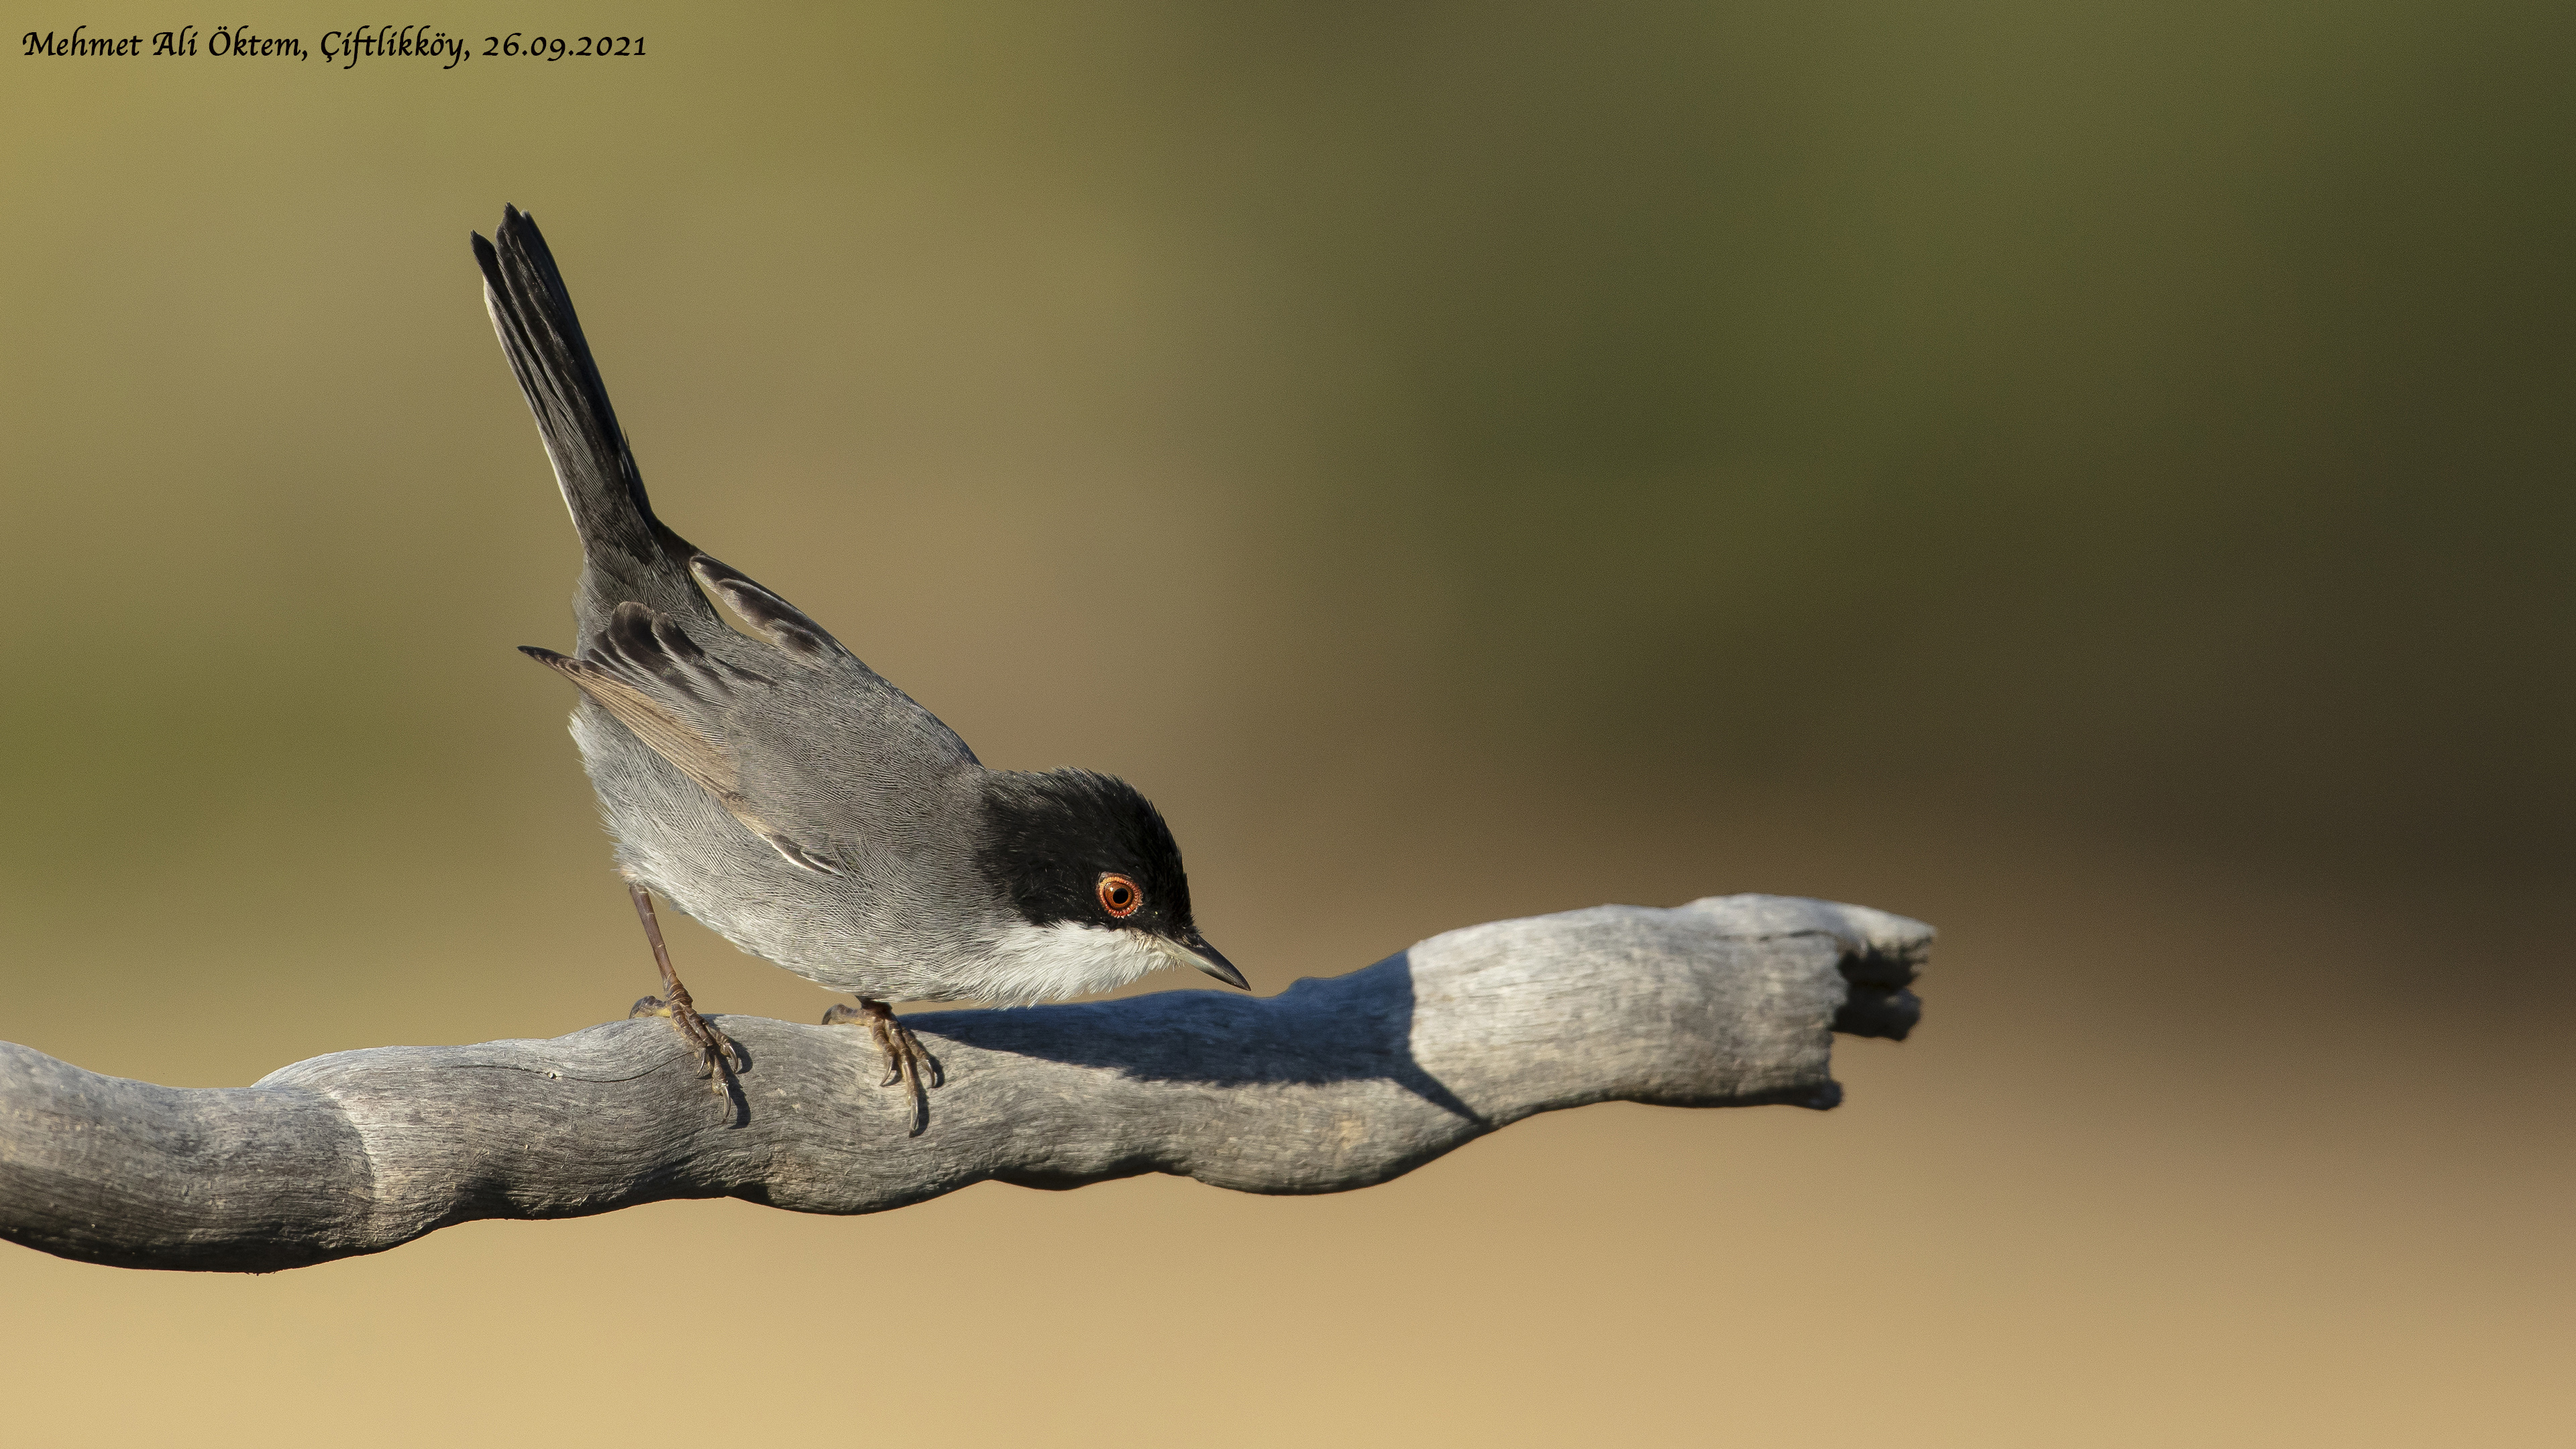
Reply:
x=718, y=1058
x=907, y=1060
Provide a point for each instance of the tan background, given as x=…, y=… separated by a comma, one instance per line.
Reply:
x=2094, y=478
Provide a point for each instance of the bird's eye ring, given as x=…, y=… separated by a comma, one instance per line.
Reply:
x=1119, y=895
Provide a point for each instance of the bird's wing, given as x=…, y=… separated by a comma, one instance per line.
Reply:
x=788, y=747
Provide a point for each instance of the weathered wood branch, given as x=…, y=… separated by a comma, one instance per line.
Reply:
x=1334, y=1084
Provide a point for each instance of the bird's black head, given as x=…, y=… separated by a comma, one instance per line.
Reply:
x=1071, y=847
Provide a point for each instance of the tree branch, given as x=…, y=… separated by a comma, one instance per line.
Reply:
x=1334, y=1084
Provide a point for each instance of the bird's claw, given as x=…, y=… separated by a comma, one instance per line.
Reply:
x=907, y=1060
x=719, y=1057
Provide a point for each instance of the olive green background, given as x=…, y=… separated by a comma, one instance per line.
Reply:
x=2094, y=478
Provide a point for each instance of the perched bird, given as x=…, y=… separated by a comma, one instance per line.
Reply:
x=784, y=793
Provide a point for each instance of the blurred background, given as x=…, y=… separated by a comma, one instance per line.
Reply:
x=2092, y=478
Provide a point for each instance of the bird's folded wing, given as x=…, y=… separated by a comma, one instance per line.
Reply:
x=653, y=679
x=775, y=749
x=826, y=711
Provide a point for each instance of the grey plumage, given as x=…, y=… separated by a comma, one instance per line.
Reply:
x=782, y=792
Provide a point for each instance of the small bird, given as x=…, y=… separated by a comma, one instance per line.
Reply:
x=787, y=795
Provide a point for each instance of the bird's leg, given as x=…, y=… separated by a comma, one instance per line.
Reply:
x=907, y=1060
x=718, y=1057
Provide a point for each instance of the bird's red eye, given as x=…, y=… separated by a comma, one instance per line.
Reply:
x=1119, y=895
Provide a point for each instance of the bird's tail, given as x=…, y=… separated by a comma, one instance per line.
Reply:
x=627, y=553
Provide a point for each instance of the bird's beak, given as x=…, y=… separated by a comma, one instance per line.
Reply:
x=1194, y=950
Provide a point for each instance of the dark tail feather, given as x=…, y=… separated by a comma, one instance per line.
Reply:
x=627, y=552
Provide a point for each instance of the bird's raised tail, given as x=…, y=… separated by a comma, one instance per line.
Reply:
x=627, y=553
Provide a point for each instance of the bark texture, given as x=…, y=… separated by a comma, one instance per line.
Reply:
x=1335, y=1083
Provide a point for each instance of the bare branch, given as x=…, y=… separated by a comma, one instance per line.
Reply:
x=1334, y=1084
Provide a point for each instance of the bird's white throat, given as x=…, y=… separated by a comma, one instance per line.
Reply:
x=1029, y=964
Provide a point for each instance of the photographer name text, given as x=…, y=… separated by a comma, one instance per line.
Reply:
x=339, y=49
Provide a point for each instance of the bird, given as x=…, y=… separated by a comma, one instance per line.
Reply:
x=767, y=783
